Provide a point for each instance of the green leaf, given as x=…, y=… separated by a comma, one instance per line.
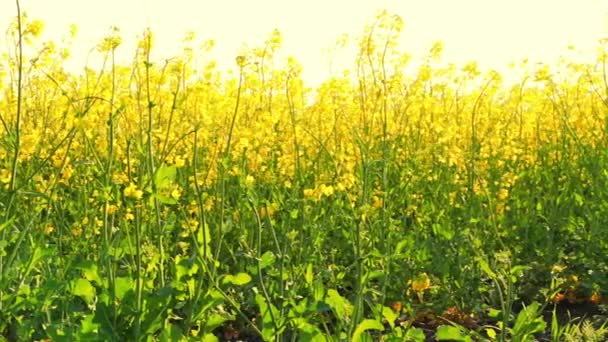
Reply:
x=342, y=307
x=238, y=279
x=485, y=267
x=268, y=313
x=83, y=289
x=89, y=271
x=308, y=276
x=373, y=275
x=415, y=334
x=155, y=309
x=172, y=333
x=494, y=313
x=450, y=333
x=491, y=333
x=389, y=315
x=162, y=199
x=267, y=259
x=529, y=321
x=579, y=199
x=366, y=324
x=88, y=325
x=122, y=286
x=210, y=301
x=210, y=338
x=519, y=270
x=309, y=332
x=216, y=320
x=165, y=175
x=293, y=214
x=203, y=237
x=318, y=291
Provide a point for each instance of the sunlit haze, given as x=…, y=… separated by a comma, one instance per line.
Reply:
x=491, y=32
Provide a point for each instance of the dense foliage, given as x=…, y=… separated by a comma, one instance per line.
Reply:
x=166, y=200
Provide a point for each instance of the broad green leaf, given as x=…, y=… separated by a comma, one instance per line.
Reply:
x=83, y=289
x=89, y=271
x=210, y=338
x=308, y=276
x=267, y=259
x=485, y=267
x=238, y=279
x=293, y=214
x=519, y=270
x=450, y=333
x=305, y=327
x=268, y=330
x=88, y=325
x=155, y=309
x=366, y=324
x=529, y=321
x=215, y=320
x=373, y=275
x=210, y=301
x=165, y=175
x=162, y=199
x=203, y=237
x=415, y=334
x=318, y=290
x=389, y=315
x=342, y=307
x=491, y=333
x=171, y=333
x=122, y=286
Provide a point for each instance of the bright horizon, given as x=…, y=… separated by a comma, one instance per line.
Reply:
x=491, y=32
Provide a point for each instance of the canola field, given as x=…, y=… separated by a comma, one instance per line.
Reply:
x=165, y=200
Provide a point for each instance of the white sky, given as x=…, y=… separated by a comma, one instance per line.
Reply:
x=492, y=32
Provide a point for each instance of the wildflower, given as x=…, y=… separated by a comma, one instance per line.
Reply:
x=558, y=297
x=377, y=202
x=111, y=209
x=120, y=178
x=309, y=193
x=176, y=194
x=326, y=190
x=503, y=194
x=129, y=215
x=191, y=225
x=66, y=174
x=397, y=306
x=49, y=228
x=421, y=283
x=249, y=181
x=268, y=210
x=133, y=192
x=5, y=176
x=193, y=208
x=178, y=161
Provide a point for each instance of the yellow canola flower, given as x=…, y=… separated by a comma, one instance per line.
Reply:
x=309, y=193
x=326, y=190
x=129, y=215
x=178, y=161
x=503, y=194
x=176, y=194
x=133, y=192
x=421, y=283
x=249, y=181
x=5, y=176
